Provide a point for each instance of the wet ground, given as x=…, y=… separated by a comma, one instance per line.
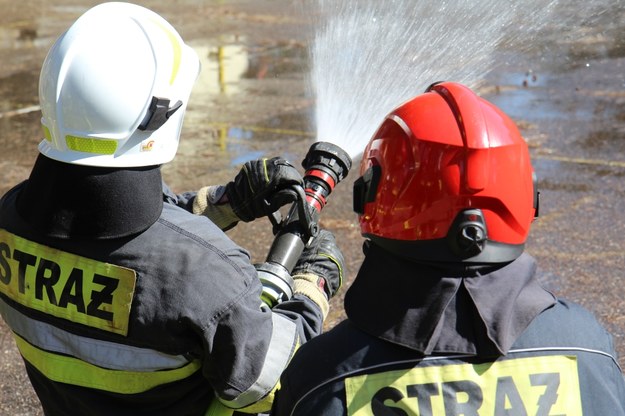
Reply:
x=567, y=95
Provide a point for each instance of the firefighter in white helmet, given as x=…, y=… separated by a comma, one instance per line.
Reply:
x=124, y=298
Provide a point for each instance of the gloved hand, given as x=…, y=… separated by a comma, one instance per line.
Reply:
x=323, y=261
x=262, y=187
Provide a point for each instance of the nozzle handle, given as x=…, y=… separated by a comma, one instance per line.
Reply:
x=326, y=165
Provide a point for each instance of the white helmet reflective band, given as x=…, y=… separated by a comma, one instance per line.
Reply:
x=116, y=69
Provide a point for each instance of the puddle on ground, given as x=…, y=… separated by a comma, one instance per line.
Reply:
x=566, y=91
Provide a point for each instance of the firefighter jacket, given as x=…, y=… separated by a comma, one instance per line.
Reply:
x=417, y=342
x=122, y=303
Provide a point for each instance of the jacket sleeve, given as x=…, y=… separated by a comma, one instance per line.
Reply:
x=246, y=345
x=201, y=203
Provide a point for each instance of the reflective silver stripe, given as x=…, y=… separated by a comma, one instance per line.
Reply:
x=281, y=347
x=101, y=353
x=365, y=370
x=565, y=349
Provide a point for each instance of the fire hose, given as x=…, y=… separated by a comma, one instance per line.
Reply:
x=325, y=166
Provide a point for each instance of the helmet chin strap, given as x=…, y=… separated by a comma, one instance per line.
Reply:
x=158, y=113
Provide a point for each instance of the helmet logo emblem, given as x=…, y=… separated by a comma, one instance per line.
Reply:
x=146, y=147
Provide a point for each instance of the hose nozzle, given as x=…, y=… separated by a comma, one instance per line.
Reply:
x=325, y=166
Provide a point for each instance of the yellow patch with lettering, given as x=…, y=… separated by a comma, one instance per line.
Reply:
x=65, y=285
x=547, y=385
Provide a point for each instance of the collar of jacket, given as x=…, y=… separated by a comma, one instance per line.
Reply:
x=64, y=200
x=435, y=310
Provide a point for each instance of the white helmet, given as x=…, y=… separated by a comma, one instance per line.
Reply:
x=114, y=88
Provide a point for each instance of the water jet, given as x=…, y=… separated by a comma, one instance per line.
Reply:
x=369, y=56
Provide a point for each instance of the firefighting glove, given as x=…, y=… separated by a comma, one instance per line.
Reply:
x=262, y=187
x=210, y=203
x=319, y=271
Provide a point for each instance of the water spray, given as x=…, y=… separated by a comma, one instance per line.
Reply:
x=325, y=165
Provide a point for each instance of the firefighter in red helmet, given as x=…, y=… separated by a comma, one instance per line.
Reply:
x=446, y=315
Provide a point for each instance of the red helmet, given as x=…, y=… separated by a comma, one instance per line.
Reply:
x=447, y=177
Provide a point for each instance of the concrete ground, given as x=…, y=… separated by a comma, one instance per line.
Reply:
x=567, y=96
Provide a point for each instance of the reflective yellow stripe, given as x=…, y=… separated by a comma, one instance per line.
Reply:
x=65, y=285
x=216, y=408
x=91, y=145
x=546, y=385
x=177, y=49
x=73, y=371
x=265, y=170
x=46, y=133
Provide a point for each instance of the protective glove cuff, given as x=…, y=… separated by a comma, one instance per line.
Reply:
x=311, y=286
x=205, y=204
x=323, y=265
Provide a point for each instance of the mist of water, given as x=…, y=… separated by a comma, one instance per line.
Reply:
x=369, y=56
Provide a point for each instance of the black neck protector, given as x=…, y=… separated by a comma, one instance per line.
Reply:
x=431, y=308
x=72, y=201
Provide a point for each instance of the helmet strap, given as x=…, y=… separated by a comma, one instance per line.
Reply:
x=158, y=113
x=366, y=188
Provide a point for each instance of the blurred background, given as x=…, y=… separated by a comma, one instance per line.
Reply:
x=280, y=74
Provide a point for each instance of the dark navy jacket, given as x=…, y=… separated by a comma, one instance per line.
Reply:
x=122, y=302
x=456, y=346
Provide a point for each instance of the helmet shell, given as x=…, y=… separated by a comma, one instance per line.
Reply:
x=442, y=153
x=99, y=79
